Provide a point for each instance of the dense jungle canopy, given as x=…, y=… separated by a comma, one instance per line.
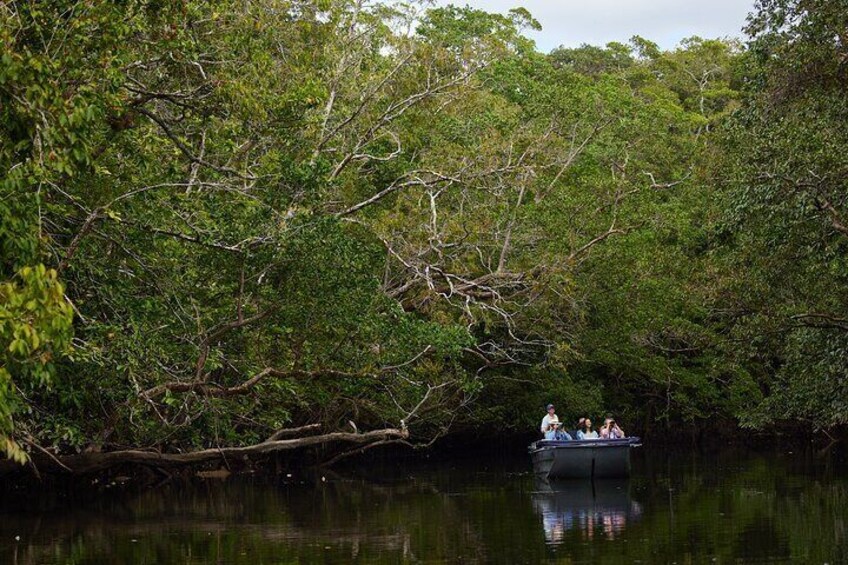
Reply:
x=220, y=220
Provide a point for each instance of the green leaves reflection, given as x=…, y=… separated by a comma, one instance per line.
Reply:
x=726, y=506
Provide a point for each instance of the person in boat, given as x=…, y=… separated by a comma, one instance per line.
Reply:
x=558, y=433
x=610, y=430
x=549, y=419
x=585, y=431
x=552, y=427
x=577, y=427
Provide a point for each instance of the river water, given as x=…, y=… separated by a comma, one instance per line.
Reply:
x=727, y=506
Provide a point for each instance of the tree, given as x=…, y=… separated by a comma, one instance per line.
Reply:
x=787, y=208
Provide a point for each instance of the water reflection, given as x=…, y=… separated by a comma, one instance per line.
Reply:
x=233, y=521
x=684, y=507
x=600, y=508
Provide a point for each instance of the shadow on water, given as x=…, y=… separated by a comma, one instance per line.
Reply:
x=725, y=507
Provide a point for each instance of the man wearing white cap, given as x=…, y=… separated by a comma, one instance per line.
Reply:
x=550, y=425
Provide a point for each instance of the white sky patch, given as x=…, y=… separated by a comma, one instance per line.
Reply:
x=597, y=22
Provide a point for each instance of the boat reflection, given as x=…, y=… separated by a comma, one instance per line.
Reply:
x=585, y=509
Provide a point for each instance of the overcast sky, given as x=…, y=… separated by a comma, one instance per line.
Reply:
x=597, y=22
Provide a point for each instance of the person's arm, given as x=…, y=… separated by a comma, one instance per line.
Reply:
x=544, y=427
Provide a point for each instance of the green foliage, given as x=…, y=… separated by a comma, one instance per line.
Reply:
x=35, y=330
x=785, y=210
x=593, y=60
x=275, y=213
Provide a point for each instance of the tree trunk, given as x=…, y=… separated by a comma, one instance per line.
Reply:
x=93, y=462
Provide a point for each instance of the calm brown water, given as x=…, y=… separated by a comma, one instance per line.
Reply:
x=724, y=507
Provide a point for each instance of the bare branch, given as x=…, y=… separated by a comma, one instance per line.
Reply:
x=818, y=320
x=186, y=151
x=91, y=462
x=292, y=432
x=437, y=178
x=204, y=388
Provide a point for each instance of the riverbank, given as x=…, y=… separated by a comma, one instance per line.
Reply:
x=151, y=468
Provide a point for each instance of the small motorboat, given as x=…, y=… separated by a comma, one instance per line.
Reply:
x=582, y=459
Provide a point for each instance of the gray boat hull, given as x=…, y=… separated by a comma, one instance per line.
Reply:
x=582, y=459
